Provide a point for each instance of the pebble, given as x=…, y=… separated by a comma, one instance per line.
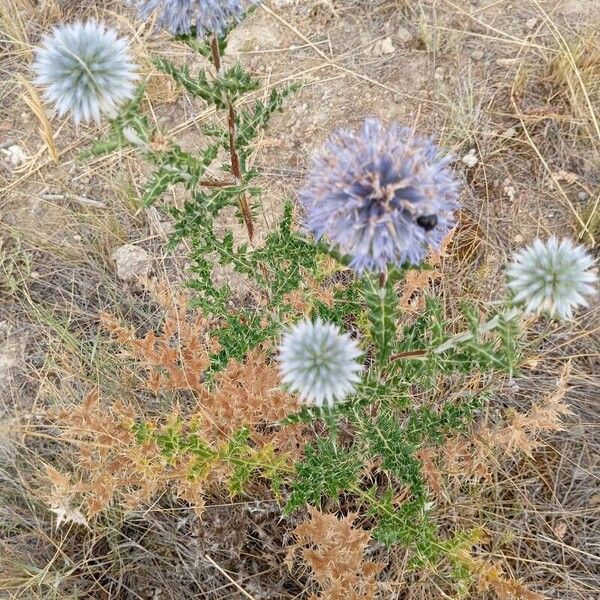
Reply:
x=387, y=47
x=404, y=35
x=582, y=196
x=16, y=156
x=477, y=54
x=383, y=47
x=470, y=159
x=131, y=262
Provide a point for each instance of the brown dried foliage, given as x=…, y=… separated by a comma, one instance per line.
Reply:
x=490, y=577
x=334, y=549
x=109, y=455
x=303, y=300
x=416, y=281
x=475, y=456
x=177, y=357
x=245, y=394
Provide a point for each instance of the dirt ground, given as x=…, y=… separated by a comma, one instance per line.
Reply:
x=510, y=88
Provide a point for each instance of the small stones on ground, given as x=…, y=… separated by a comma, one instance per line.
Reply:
x=477, y=55
x=470, y=159
x=387, y=47
x=404, y=35
x=582, y=196
x=511, y=132
x=132, y=262
x=383, y=47
x=509, y=189
x=439, y=74
x=531, y=23
x=15, y=155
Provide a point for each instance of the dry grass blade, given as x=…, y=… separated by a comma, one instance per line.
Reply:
x=566, y=49
x=233, y=582
x=33, y=101
x=11, y=21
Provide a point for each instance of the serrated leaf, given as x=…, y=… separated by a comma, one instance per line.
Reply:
x=325, y=472
x=158, y=185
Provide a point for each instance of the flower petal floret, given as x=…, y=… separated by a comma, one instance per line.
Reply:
x=207, y=16
x=86, y=70
x=552, y=277
x=380, y=196
x=319, y=363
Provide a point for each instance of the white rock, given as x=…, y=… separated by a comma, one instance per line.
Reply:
x=470, y=159
x=16, y=155
x=531, y=23
x=132, y=262
x=404, y=35
x=383, y=47
x=387, y=47
x=582, y=196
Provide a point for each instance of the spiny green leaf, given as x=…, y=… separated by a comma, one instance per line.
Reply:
x=325, y=472
x=159, y=183
x=234, y=82
x=382, y=307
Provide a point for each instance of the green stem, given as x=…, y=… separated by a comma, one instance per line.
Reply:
x=486, y=327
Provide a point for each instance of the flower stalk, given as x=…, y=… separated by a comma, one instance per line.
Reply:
x=234, y=156
x=490, y=325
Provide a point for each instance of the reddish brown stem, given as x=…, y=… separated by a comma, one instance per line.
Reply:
x=216, y=53
x=236, y=167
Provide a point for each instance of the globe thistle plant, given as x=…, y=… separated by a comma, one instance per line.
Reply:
x=86, y=70
x=319, y=363
x=552, y=277
x=207, y=16
x=380, y=196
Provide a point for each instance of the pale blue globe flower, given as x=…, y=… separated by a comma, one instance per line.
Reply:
x=86, y=70
x=381, y=196
x=318, y=362
x=207, y=16
x=552, y=277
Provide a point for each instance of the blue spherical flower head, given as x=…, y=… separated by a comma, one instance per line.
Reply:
x=552, y=277
x=208, y=16
x=86, y=70
x=381, y=196
x=319, y=363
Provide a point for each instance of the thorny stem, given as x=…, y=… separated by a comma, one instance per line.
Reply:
x=459, y=338
x=490, y=325
x=233, y=153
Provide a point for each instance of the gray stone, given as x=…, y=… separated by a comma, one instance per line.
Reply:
x=132, y=262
